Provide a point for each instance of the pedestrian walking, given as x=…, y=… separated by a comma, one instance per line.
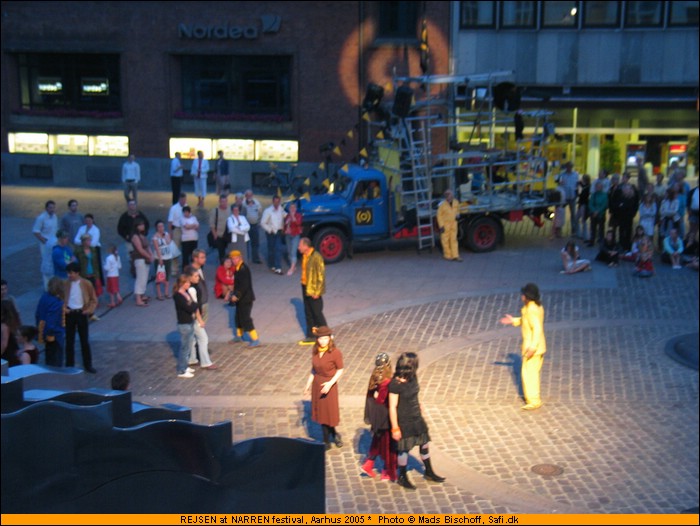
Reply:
x=326, y=370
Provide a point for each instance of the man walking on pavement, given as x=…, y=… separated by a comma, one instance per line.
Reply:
x=80, y=304
x=252, y=210
x=273, y=224
x=447, y=215
x=131, y=176
x=175, y=225
x=313, y=287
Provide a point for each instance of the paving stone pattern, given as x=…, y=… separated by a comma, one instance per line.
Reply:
x=620, y=418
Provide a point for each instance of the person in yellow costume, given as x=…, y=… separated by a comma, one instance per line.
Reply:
x=447, y=214
x=534, y=346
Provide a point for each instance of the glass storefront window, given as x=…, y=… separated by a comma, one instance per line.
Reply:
x=109, y=145
x=477, y=15
x=518, y=14
x=601, y=14
x=28, y=142
x=68, y=144
x=277, y=151
x=684, y=13
x=644, y=14
x=236, y=149
x=188, y=147
x=560, y=14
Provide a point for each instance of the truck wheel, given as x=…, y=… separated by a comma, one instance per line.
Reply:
x=331, y=244
x=483, y=234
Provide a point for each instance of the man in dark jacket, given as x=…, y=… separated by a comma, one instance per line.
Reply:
x=243, y=297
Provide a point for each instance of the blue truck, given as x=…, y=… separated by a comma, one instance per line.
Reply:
x=445, y=141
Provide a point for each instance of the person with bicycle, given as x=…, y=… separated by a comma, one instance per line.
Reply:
x=273, y=224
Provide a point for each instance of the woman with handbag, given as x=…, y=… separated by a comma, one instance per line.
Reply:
x=163, y=259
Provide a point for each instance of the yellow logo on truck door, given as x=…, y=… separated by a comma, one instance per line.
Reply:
x=364, y=216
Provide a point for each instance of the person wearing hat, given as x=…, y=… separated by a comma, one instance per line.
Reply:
x=62, y=254
x=534, y=345
x=377, y=416
x=326, y=370
x=243, y=298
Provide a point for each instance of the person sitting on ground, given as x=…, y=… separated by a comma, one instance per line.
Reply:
x=673, y=249
x=28, y=352
x=633, y=253
x=609, y=250
x=644, y=267
x=571, y=259
x=121, y=381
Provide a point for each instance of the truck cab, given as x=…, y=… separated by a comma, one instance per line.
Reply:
x=355, y=209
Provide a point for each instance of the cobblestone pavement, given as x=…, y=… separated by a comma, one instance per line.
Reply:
x=620, y=417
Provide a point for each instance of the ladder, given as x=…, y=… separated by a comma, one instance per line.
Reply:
x=416, y=178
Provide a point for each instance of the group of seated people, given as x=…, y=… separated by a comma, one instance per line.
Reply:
x=642, y=252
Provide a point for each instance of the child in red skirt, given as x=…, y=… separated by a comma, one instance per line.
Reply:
x=112, y=265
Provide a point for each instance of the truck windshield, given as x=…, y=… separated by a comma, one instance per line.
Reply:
x=341, y=186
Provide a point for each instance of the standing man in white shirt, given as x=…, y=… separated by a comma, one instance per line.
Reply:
x=131, y=176
x=176, y=176
x=273, y=224
x=200, y=171
x=45, y=228
x=252, y=210
x=175, y=226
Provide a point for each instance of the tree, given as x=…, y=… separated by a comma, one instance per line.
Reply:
x=610, y=156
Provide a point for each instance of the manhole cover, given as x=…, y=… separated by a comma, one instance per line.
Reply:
x=684, y=349
x=547, y=470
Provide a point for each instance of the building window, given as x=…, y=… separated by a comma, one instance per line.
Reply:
x=644, y=14
x=398, y=21
x=70, y=82
x=64, y=144
x=518, y=14
x=684, y=13
x=236, y=87
x=601, y=14
x=560, y=14
x=474, y=15
x=235, y=149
